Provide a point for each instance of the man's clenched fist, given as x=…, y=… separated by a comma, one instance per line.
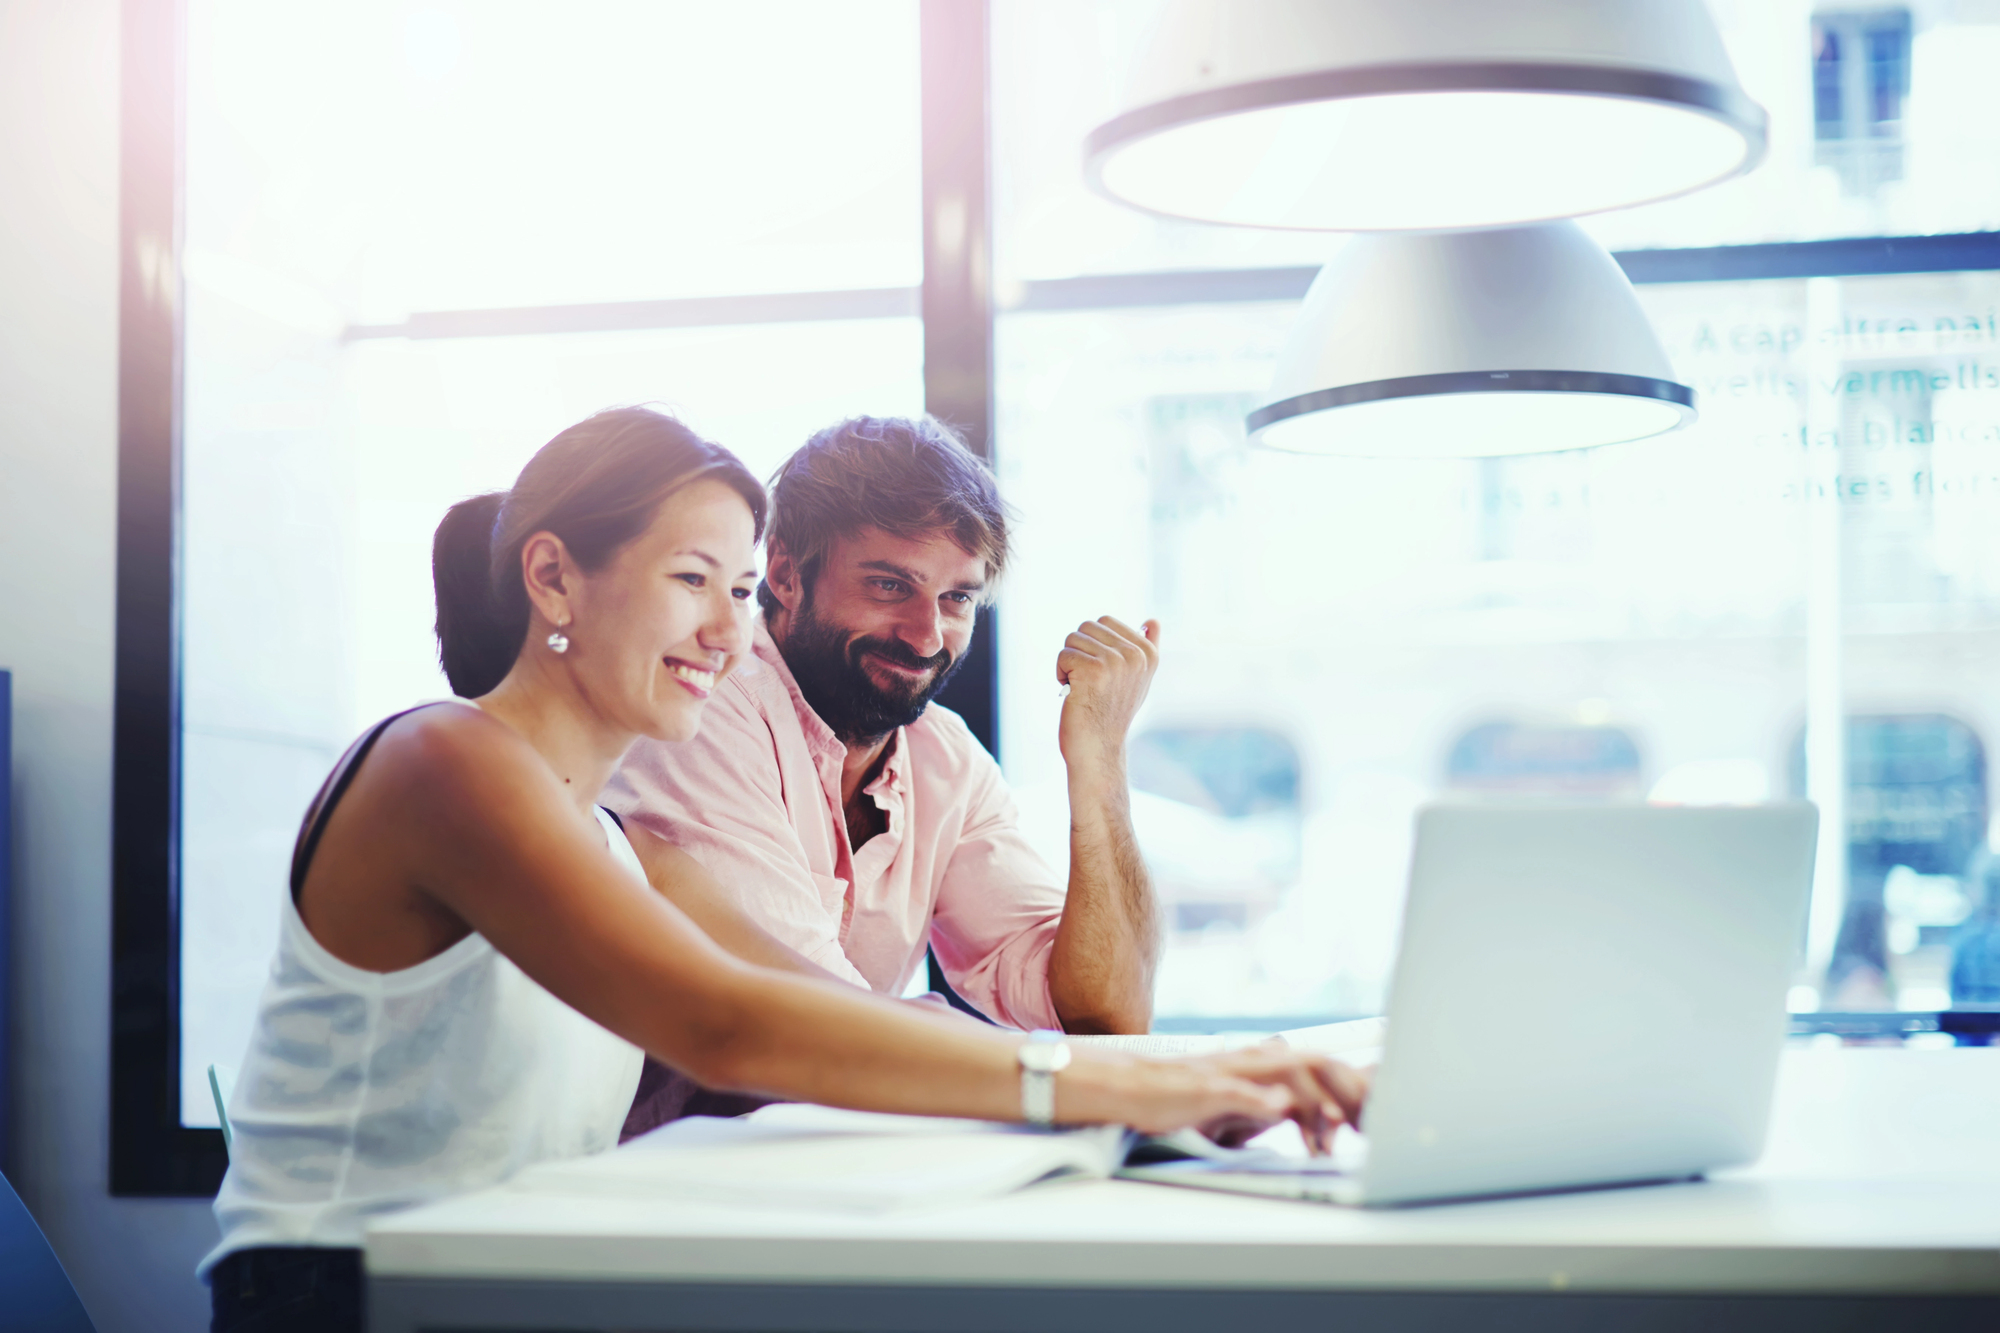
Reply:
x=1108, y=667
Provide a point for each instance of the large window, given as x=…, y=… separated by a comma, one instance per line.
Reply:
x=422, y=235
x=1624, y=622
x=1797, y=597
x=421, y=238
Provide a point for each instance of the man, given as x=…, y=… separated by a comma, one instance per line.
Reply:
x=860, y=823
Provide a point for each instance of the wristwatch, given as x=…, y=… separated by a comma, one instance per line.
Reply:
x=1043, y=1055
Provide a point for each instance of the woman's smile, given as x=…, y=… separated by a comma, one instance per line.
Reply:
x=699, y=681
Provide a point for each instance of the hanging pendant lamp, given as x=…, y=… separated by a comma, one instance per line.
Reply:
x=1519, y=340
x=1389, y=115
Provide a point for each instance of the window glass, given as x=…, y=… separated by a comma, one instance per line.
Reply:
x=1059, y=70
x=1218, y=809
x=1635, y=620
x=351, y=165
x=380, y=157
x=1876, y=128
x=1879, y=126
x=1916, y=856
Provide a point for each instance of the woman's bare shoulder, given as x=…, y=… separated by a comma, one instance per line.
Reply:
x=445, y=749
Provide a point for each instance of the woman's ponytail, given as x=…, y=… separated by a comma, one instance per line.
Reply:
x=596, y=486
x=478, y=636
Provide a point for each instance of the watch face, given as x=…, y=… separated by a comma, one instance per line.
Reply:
x=1044, y=1057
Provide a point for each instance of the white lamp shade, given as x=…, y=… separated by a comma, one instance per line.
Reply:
x=1519, y=340
x=1388, y=115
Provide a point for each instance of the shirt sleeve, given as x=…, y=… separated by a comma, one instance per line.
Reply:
x=720, y=797
x=998, y=908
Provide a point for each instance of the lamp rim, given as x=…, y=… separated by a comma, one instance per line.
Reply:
x=1727, y=103
x=1474, y=381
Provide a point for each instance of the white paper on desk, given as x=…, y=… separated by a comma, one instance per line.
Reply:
x=1358, y=1041
x=802, y=1156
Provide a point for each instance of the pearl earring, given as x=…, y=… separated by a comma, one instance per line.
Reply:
x=559, y=641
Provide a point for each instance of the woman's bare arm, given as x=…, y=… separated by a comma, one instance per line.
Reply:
x=486, y=830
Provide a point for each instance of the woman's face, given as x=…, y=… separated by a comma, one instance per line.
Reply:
x=658, y=627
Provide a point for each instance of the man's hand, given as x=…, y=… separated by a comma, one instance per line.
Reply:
x=1108, y=667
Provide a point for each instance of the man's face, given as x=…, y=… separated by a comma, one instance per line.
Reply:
x=884, y=624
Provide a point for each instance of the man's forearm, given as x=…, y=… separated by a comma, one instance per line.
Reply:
x=1108, y=944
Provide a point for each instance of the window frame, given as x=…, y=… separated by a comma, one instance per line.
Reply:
x=151, y=1152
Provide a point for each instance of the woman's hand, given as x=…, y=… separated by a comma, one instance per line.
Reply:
x=1231, y=1097
x=1325, y=1091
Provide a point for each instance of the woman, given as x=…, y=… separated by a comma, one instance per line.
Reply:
x=474, y=956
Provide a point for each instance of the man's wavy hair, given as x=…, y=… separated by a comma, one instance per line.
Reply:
x=907, y=476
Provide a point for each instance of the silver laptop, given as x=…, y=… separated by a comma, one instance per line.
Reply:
x=1584, y=996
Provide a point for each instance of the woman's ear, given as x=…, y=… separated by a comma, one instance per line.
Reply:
x=781, y=573
x=550, y=577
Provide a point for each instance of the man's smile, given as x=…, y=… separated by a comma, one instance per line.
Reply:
x=899, y=670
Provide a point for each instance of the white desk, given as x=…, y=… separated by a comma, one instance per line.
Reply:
x=1878, y=1205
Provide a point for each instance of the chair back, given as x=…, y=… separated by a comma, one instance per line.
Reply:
x=35, y=1294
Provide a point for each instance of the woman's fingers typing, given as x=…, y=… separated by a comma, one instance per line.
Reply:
x=1234, y=1097
x=1348, y=1086
x=1323, y=1093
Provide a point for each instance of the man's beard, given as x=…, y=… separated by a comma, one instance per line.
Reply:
x=830, y=674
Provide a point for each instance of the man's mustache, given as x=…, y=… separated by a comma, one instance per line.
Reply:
x=899, y=653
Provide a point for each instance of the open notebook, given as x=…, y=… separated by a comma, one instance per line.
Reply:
x=802, y=1156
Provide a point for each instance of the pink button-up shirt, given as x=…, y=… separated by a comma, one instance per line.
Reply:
x=755, y=797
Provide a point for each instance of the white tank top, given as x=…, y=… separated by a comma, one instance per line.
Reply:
x=364, y=1092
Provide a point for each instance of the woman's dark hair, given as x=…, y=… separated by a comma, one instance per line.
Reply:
x=597, y=486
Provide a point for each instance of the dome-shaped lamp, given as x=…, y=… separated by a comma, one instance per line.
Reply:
x=1393, y=115
x=1520, y=340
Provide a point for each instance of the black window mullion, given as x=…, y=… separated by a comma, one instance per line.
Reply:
x=151, y=1152
x=957, y=297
